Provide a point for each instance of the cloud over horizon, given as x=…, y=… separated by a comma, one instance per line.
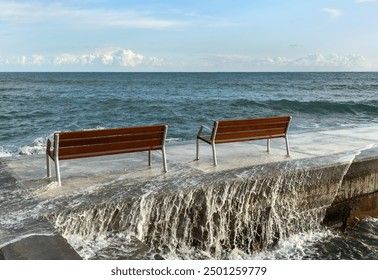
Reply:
x=119, y=59
x=309, y=62
x=112, y=56
x=109, y=56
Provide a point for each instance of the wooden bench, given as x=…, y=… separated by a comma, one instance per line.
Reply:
x=228, y=131
x=102, y=142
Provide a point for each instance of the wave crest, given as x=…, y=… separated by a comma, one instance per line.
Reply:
x=38, y=147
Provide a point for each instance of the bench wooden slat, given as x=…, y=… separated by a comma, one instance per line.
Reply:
x=250, y=135
x=105, y=153
x=281, y=119
x=235, y=140
x=250, y=127
x=111, y=131
x=108, y=138
x=150, y=144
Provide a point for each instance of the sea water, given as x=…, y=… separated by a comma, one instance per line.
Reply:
x=34, y=105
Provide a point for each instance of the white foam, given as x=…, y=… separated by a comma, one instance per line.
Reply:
x=297, y=246
x=99, y=244
x=4, y=153
x=173, y=139
x=38, y=147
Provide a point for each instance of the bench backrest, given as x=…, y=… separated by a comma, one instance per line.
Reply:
x=226, y=131
x=88, y=143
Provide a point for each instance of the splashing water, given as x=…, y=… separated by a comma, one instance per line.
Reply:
x=215, y=217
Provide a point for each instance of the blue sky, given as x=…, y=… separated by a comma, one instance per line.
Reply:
x=207, y=35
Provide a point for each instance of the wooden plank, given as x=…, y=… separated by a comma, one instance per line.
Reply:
x=111, y=131
x=234, y=140
x=251, y=127
x=254, y=121
x=145, y=145
x=109, y=139
x=258, y=134
x=104, y=153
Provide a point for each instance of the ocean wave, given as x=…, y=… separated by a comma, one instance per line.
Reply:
x=296, y=247
x=38, y=147
x=312, y=107
x=4, y=153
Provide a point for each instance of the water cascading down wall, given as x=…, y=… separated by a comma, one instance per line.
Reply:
x=246, y=209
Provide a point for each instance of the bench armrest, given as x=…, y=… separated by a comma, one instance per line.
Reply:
x=202, y=128
x=48, y=146
x=50, y=142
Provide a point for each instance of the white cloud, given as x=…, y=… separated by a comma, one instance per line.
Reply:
x=309, y=62
x=36, y=12
x=119, y=57
x=364, y=1
x=23, y=60
x=331, y=61
x=37, y=59
x=106, y=56
x=64, y=59
x=155, y=61
x=334, y=13
x=112, y=56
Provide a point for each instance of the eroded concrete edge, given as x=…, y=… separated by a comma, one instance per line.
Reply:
x=35, y=247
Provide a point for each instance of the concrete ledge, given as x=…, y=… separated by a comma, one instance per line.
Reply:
x=39, y=247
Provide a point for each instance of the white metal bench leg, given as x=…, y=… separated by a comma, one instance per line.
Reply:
x=214, y=154
x=57, y=168
x=149, y=158
x=287, y=146
x=197, y=149
x=164, y=159
x=48, y=165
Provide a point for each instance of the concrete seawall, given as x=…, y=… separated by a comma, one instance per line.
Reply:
x=357, y=197
x=250, y=199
